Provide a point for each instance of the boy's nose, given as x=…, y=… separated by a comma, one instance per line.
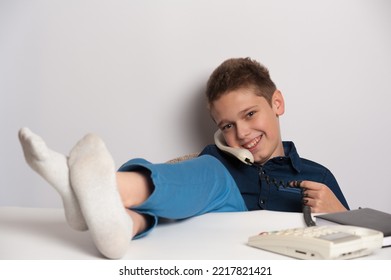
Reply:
x=242, y=131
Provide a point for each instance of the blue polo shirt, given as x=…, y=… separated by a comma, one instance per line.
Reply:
x=265, y=186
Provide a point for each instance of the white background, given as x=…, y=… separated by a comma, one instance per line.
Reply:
x=134, y=72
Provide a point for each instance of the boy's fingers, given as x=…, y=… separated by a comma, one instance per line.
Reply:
x=297, y=184
x=309, y=185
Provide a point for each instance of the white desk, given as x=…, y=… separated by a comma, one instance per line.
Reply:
x=32, y=233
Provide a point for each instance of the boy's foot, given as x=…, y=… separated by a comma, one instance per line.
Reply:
x=92, y=174
x=53, y=167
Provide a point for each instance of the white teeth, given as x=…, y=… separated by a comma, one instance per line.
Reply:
x=252, y=143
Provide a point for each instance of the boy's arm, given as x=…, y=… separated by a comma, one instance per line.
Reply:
x=323, y=193
x=321, y=198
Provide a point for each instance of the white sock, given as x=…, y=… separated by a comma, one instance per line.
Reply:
x=92, y=174
x=53, y=167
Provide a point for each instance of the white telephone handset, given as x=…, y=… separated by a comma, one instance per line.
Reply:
x=242, y=154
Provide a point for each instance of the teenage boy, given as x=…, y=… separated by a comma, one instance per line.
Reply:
x=119, y=205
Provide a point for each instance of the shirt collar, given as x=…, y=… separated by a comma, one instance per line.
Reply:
x=291, y=153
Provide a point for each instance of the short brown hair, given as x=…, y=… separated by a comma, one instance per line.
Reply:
x=237, y=73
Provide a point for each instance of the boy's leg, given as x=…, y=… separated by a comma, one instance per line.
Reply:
x=134, y=187
x=53, y=167
x=186, y=189
x=93, y=178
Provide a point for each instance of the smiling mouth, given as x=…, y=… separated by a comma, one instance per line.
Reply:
x=251, y=145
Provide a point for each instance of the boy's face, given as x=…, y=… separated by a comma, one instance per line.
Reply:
x=248, y=121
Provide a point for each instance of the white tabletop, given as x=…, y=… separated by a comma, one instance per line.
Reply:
x=34, y=233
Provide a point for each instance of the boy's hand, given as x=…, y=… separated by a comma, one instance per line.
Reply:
x=320, y=198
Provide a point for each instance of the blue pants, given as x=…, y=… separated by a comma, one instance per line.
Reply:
x=187, y=189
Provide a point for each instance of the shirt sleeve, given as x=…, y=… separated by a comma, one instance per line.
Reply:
x=331, y=182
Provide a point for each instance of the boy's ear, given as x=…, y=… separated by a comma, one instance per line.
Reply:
x=278, y=103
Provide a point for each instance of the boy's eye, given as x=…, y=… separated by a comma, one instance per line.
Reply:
x=226, y=127
x=250, y=114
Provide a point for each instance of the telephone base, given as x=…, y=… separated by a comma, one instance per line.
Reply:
x=320, y=242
